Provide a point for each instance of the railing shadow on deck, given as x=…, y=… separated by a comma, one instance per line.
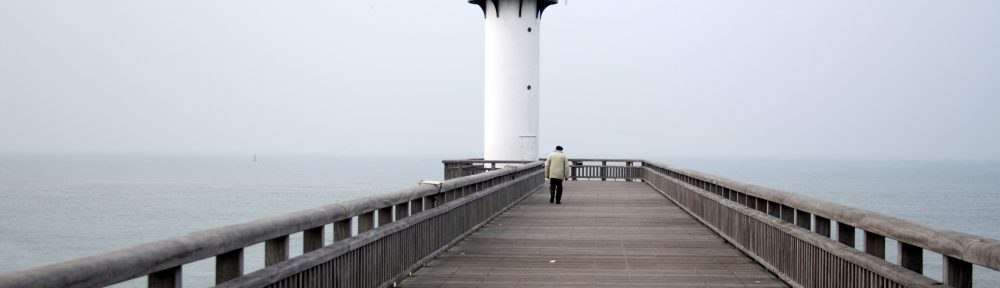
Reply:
x=428, y=220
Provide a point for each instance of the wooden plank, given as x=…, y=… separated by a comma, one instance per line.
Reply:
x=803, y=219
x=170, y=278
x=417, y=206
x=276, y=250
x=402, y=210
x=384, y=215
x=845, y=234
x=957, y=273
x=875, y=244
x=366, y=222
x=787, y=214
x=313, y=239
x=228, y=266
x=342, y=229
x=910, y=257
x=604, y=234
x=823, y=226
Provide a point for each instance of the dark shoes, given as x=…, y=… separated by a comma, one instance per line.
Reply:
x=552, y=200
x=558, y=202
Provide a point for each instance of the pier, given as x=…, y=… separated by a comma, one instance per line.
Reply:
x=623, y=223
x=606, y=234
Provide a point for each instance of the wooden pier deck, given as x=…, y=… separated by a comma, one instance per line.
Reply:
x=473, y=230
x=605, y=234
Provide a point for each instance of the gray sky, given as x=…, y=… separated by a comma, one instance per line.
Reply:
x=888, y=79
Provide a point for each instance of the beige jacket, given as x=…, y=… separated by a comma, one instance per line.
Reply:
x=557, y=166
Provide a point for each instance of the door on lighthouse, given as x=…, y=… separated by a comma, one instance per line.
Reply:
x=529, y=148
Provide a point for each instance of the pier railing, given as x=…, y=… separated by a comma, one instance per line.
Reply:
x=791, y=235
x=581, y=168
x=395, y=234
x=466, y=167
x=606, y=169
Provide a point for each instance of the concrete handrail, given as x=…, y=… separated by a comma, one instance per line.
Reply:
x=143, y=259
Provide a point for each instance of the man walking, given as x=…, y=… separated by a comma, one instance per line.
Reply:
x=556, y=170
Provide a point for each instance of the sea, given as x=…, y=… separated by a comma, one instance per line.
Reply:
x=58, y=207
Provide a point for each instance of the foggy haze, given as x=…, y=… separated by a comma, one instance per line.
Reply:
x=894, y=79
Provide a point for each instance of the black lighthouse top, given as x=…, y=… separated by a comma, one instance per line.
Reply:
x=540, y=6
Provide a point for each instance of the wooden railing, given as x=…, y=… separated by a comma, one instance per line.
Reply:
x=790, y=234
x=466, y=167
x=395, y=234
x=593, y=169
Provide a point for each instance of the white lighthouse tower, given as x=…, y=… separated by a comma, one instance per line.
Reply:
x=511, y=83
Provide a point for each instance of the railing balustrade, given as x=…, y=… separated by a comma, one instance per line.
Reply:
x=462, y=168
x=582, y=168
x=427, y=221
x=790, y=234
x=593, y=169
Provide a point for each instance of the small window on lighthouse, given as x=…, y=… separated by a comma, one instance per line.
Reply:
x=529, y=29
x=529, y=87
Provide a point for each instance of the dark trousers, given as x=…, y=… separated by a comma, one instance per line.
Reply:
x=555, y=190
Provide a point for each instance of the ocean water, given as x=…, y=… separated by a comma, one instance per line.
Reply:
x=54, y=208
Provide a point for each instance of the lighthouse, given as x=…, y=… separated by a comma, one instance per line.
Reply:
x=511, y=79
